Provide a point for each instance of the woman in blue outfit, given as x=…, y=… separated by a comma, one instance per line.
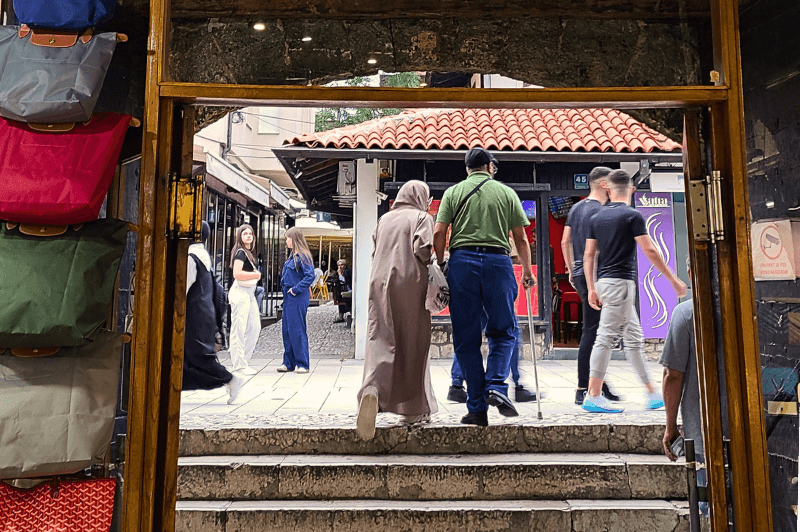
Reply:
x=297, y=276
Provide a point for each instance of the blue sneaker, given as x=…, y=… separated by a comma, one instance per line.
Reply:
x=653, y=401
x=600, y=405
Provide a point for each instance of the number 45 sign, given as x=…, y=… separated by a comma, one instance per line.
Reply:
x=581, y=181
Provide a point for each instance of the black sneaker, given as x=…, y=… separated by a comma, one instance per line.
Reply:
x=579, y=395
x=476, y=418
x=611, y=396
x=457, y=394
x=521, y=395
x=503, y=403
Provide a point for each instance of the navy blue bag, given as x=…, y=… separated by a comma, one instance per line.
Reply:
x=67, y=15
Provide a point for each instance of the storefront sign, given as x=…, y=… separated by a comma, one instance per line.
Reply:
x=657, y=298
x=776, y=244
x=236, y=180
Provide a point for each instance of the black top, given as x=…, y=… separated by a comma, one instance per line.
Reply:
x=578, y=220
x=242, y=256
x=615, y=227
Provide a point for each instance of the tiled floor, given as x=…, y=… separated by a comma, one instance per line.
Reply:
x=331, y=386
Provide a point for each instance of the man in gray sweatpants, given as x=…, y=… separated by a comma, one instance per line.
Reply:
x=609, y=263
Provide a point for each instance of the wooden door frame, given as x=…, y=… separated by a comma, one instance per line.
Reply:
x=156, y=366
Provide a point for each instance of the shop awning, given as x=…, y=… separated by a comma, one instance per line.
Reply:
x=236, y=179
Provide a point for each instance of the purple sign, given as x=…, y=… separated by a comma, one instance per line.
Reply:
x=657, y=298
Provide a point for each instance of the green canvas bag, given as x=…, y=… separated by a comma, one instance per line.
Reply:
x=57, y=412
x=57, y=283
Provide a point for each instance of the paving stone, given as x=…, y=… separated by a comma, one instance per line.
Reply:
x=634, y=516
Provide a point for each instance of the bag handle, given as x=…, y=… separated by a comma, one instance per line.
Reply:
x=464, y=201
x=60, y=39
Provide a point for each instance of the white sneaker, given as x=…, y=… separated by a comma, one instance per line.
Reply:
x=234, y=387
x=653, y=401
x=247, y=370
x=367, y=411
x=282, y=368
x=302, y=370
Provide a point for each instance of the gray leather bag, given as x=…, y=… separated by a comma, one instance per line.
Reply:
x=52, y=77
x=57, y=412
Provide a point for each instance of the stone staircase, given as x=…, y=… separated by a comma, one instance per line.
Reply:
x=524, y=477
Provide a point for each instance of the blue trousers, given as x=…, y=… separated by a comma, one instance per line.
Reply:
x=482, y=282
x=293, y=327
x=458, y=376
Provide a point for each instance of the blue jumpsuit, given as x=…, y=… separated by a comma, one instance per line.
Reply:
x=298, y=276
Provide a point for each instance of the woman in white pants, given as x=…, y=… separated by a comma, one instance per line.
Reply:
x=245, y=318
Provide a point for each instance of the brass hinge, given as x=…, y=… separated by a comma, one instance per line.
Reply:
x=186, y=207
x=706, y=196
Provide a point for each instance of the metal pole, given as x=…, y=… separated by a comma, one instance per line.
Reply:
x=533, y=349
x=691, y=480
x=319, y=263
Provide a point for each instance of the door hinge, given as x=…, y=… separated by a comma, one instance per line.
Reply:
x=706, y=196
x=186, y=207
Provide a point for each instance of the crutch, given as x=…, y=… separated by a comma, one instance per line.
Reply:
x=528, y=285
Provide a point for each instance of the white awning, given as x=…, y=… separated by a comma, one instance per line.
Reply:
x=236, y=179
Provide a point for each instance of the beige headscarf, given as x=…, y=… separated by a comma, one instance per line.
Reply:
x=413, y=195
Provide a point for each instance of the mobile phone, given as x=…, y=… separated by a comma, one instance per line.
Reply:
x=676, y=446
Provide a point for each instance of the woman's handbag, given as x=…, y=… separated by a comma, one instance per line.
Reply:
x=58, y=175
x=48, y=76
x=75, y=505
x=57, y=412
x=71, y=15
x=57, y=283
x=438, y=297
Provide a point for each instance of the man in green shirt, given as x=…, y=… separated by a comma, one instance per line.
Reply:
x=481, y=212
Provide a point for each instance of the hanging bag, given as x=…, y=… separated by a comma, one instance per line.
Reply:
x=57, y=283
x=57, y=413
x=75, y=505
x=58, y=174
x=51, y=76
x=69, y=15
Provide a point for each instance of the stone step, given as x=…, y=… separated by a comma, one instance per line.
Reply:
x=573, y=434
x=439, y=516
x=415, y=477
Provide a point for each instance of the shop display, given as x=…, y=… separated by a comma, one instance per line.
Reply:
x=59, y=174
x=71, y=15
x=57, y=282
x=52, y=77
x=57, y=413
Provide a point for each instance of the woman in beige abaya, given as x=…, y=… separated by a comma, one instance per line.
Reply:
x=396, y=374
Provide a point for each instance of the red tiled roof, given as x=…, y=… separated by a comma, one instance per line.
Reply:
x=600, y=130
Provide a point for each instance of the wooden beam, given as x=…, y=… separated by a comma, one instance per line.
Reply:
x=749, y=459
x=704, y=327
x=496, y=9
x=315, y=96
x=145, y=368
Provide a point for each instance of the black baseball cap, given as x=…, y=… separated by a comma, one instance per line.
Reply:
x=477, y=157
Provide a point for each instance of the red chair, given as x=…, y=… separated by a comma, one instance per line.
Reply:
x=571, y=316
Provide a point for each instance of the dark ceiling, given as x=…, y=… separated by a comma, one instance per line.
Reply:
x=421, y=9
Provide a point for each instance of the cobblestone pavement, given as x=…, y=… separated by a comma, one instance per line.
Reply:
x=326, y=396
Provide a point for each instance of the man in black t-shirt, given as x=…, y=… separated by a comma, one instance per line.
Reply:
x=573, y=245
x=614, y=232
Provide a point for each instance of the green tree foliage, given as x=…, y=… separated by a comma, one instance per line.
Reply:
x=331, y=118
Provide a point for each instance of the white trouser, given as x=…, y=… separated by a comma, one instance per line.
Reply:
x=618, y=318
x=245, y=325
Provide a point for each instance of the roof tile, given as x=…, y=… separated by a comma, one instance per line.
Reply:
x=502, y=129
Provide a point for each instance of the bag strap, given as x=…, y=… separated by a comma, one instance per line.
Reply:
x=464, y=201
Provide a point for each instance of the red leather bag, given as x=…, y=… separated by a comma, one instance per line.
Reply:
x=58, y=174
x=66, y=505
